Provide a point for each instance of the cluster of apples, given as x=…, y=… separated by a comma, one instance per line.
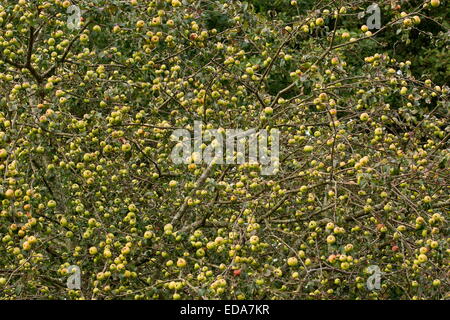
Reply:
x=86, y=176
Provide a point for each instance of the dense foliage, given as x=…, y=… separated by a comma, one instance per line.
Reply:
x=86, y=118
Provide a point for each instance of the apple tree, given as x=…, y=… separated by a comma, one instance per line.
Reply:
x=92, y=91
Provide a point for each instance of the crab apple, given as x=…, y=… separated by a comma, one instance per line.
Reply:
x=331, y=239
x=435, y=3
x=423, y=250
x=148, y=234
x=364, y=116
x=292, y=261
x=26, y=246
x=332, y=258
x=254, y=240
x=200, y=252
x=107, y=253
x=9, y=194
x=319, y=21
x=173, y=183
x=268, y=110
x=126, y=147
x=407, y=22
x=436, y=282
x=51, y=204
x=176, y=296
x=422, y=258
x=84, y=38
x=181, y=263
x=277, y=272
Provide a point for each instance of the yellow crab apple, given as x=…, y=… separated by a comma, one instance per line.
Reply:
x=292, y=261
x=181, y=263
x=331, y=239
x=435, y=3
x=319, y=21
